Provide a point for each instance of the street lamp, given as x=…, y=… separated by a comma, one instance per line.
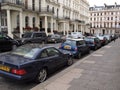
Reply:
x=0, y=16
x=115, y=24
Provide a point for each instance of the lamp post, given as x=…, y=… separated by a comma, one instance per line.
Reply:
x=0, y=16
x=115, y=24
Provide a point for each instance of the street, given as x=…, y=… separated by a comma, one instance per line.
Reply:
x=83, y=72
x=12, y=85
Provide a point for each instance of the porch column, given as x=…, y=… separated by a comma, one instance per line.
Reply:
x=68, y=28
x=46, y=25
x=21, y=24
x=51, y=25
x=64, y=28
x=9, y=24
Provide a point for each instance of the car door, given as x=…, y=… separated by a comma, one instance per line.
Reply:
x=37, y=38
x=81, y=46
x=55, y=56
x=46, y=60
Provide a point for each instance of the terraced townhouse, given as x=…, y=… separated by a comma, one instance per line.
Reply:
x=51, y=16
x=105, y=19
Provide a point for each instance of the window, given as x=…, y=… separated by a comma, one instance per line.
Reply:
x=80, y=42
x=26, y=21
x=47, y=8
x=37, y=35
x=52, y=52
x=53, y=9
x=33, y=22
x=43, y=54
x=33, y=5
x=18, y=24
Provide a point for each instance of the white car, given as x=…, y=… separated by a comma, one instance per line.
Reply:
x=77, y=35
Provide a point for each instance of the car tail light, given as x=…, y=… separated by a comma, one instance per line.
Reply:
x=76, y=49
x=18, y=71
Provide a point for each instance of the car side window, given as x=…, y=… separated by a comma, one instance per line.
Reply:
x=37, y=35
x=80, y=43
x=44, y=54
x=52, y=52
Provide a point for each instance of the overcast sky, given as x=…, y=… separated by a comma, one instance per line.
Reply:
x=101, y=2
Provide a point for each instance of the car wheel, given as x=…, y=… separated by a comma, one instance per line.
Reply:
x=70, y=61
x=79, y=55
x=42, y=75
x=14, y=47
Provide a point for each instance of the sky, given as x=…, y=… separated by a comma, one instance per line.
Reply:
x=101, y=2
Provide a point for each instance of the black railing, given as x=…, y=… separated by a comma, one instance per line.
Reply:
x=45, y=9
x=17, y=2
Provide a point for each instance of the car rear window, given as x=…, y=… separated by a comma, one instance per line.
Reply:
x=27, y=52
x=70, y=42
x=89, y=39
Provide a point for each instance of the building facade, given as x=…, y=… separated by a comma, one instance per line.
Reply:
x=51, y=16
x=105, y=19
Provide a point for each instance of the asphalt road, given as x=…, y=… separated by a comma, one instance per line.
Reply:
x=6, y=84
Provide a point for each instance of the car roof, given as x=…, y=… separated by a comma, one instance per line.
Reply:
x=91, y=37
x=75, y=39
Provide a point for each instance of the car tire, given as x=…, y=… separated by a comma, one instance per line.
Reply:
x=42, y=75
x=70, y=61
x=14, y=47
x=79, y=55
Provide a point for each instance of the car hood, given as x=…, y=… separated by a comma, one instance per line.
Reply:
x=13, y=59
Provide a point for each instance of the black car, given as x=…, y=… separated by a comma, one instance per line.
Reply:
x=7, y=43
x=34, y=37
x=93, y=42
x=54, y=38
x=33, y=62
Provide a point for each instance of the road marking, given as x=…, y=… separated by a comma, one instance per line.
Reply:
x=97, y=55
x=90, y=62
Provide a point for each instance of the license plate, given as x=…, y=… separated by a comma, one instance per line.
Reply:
x=67, y=47
x=4, y=68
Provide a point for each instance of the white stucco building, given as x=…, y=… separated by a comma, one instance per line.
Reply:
x=19, y=16
x=105, y=19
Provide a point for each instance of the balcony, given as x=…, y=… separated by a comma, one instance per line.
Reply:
x=45, y=10
x=53, y=2
x=12, y=2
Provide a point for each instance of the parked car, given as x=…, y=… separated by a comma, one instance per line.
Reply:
x=34, y=37
x=77, y=47
x=54, y=38
x=93, y=42
x=77, y=35
x=7, y=43
x=33, y=62
x=108, y=37
x=103, y=40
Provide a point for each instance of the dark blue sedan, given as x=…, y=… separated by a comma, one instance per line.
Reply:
x=33, y=62
x=77, y=47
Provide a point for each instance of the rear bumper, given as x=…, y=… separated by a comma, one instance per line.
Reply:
x=17, y=77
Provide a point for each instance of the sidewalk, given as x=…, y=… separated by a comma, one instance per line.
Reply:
x=98, y=71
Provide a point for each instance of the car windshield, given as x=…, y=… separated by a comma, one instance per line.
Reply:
x=27, y=52
x=70, y=42
x=27, y=35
